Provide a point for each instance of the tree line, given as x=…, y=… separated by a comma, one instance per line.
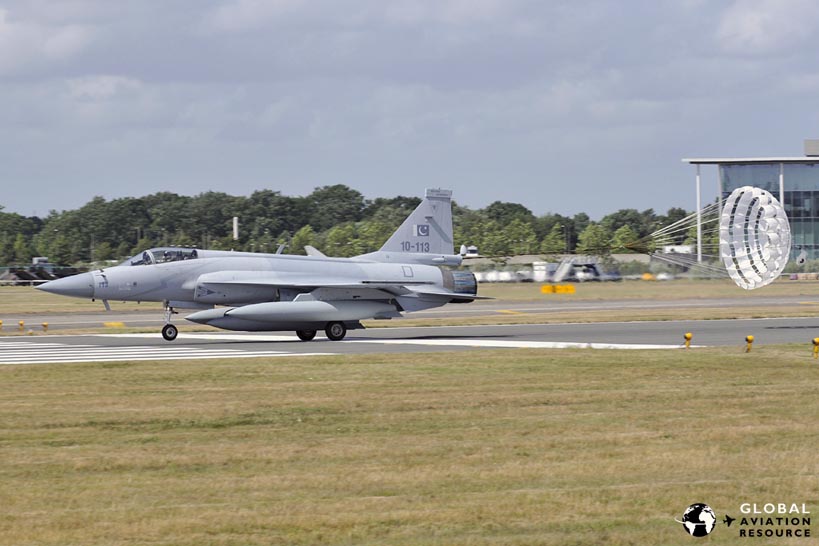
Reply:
x=336, y=219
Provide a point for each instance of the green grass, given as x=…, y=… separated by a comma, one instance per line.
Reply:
x=650, y=290
x=495, y=447
x=22, y=300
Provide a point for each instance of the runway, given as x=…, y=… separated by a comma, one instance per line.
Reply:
x=54, y=349
x=153, y=316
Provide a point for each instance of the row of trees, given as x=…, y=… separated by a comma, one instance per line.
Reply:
x=336, y=219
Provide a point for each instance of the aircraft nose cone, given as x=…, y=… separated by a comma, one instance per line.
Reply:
x=79, y=286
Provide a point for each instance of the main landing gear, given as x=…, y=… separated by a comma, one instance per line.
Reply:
x=169, y=331
x=335, y=331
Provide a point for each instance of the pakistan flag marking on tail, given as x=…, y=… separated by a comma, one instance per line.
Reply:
x=420, y=230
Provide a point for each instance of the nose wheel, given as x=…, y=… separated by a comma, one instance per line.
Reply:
x=169, y=332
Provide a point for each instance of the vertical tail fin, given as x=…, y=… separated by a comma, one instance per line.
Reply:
x=427, y=231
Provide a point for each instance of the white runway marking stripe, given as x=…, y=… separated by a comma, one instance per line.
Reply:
x=183, y=336
x=448, y=342
x=45, y=353
x=26, y=344
x=504, y=344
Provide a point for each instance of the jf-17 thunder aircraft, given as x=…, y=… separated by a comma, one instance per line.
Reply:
x=273, y=292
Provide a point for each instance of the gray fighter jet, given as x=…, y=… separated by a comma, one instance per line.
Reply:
x=274, y=292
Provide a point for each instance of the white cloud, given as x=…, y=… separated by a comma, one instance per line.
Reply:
x=18, y=42
x=444, y=11
x=289, y=91
x=30, y=44
x=751, y=27
x=240, y=15
x=803, y=83
x=97, y=88
x=66, y=42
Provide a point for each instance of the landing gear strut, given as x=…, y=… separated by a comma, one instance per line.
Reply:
x=169, y=331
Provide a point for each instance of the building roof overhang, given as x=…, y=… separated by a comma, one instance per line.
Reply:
x=750, y=160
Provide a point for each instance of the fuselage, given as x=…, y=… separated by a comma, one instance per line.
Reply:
x=193, y=281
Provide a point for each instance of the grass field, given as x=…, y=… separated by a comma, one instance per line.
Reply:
x=22, y=300
x=503, y=447
x=652, y=290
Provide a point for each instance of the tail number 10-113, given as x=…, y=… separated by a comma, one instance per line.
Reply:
x=408, y=246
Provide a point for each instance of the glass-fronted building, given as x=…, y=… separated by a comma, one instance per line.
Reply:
x=792, y=180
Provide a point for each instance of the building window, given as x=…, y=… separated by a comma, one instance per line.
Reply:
x=760, y=175
x=801, y=196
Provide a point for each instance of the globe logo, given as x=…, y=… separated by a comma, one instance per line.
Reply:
x=699, y=520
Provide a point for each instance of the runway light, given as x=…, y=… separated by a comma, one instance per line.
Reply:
x=45, y=327
x=750, y=341
x=22, y=325
x=1, y=324
x=816, y=347
x=687, y=338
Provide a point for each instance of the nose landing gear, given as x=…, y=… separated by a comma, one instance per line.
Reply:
x=169, y=331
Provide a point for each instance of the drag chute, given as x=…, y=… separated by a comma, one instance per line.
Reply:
x=754, y=237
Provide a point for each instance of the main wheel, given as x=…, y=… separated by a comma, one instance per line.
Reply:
x=335, y=331
x=306, y=335
x=169, y=332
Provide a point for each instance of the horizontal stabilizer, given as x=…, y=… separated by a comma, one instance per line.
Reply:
x=434, y=291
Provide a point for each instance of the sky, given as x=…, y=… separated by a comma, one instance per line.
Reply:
x=563, y=106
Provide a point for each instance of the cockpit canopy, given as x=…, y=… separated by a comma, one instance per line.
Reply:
x=162, y=255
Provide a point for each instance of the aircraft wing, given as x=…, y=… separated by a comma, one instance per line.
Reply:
x=401, y=288
x=390, y=288
x=305, y=283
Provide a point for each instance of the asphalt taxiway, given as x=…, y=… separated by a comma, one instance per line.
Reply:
x=58, y=348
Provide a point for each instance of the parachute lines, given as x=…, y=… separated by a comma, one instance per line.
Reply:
x=748, y=239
